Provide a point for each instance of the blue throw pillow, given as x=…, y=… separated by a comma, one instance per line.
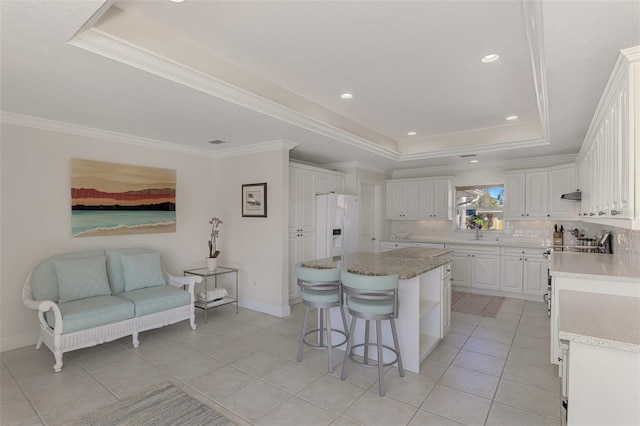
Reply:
x=82, y=278
x=141, y=271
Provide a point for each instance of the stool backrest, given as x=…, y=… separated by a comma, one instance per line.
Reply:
x=370, y=282
x=317, y=276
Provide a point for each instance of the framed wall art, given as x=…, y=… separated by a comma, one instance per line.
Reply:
x=119, y=199
x=254, y=200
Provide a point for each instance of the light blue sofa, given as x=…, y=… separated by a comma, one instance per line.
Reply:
x=87, y=298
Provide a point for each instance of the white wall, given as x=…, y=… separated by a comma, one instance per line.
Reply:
x=36, y=214
x=258, y=246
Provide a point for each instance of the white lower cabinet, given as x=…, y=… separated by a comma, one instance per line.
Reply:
x=476, y=267
x=523, y=270
x=445, y=310
x=301, y=248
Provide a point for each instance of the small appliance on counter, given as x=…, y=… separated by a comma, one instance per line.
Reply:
x=604, y=243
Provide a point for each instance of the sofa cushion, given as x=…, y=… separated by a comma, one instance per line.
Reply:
x=114, y=266
x=82, y=278
x=92, y=312
x=156, y=299
x=43, y=279
x=141, y=270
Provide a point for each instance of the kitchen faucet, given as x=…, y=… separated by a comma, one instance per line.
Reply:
x=478, y=233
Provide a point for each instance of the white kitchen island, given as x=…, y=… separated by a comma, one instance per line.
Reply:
x=424, y=295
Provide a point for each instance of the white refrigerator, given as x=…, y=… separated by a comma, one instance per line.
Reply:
x=336, y=224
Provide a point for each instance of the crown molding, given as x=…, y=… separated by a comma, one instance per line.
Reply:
x=622, y=66
x=278, y=145
x=74, y=129
x=356, y=165
x=549, y=161
x=489, y=147
x=98, y=40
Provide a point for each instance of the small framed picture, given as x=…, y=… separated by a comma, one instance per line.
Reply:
x=254, y=200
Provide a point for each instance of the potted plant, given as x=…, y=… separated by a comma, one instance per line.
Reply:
x=212, y=260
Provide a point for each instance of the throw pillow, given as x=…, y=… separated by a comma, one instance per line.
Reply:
x=82, y=278
x=141, y=271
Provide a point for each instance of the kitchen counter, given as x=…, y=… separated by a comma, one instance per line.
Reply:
x=600, y=320
x=408, y=262
x=606, y=267
x=482, y=242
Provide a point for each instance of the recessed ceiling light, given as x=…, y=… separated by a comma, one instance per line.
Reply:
x=346, y=96
x=176, y=1
x=412, y=133
x=511, y=118
x=490, y=58
x=474, y=161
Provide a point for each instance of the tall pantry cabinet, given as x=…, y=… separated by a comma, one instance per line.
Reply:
x=304, y=183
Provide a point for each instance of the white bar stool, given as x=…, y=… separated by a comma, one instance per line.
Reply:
x=321, y=289
x=372, y=298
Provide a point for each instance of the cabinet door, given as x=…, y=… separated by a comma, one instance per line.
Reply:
x=301, y=248
x=461, y=269
x=302, y=201
x=485, y=272
x=445, y=320
x=337, y=184
x=560, y=182
x=443, y=199
x=625, y=160
x=409, y=200
x=426, y=198
x=323, y=183
x=535, y=276
x=536, y=194
x=514, y=190
x=394, y=196
x=511, y=276
x=294, y=290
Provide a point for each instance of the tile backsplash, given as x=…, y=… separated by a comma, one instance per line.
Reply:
x=624, y=241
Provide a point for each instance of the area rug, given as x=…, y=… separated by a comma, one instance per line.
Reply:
x=164, y=405
x=478, y=304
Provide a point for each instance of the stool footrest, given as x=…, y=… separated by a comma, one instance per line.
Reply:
x=375, y=345
x=319, y=346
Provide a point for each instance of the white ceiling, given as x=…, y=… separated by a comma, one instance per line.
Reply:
x=253, y=72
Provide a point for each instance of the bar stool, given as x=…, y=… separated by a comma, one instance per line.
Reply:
x=372, y=298
x=321, y=289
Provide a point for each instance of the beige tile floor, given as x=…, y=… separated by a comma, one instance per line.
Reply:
x=487, y=371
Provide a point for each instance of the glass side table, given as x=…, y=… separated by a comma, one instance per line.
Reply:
x=205, y=274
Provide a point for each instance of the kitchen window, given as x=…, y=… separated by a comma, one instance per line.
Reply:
x=479, y=207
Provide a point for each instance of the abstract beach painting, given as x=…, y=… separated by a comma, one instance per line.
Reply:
x=119, y=199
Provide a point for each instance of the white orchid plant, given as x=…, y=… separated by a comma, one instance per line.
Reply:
x=215, y=222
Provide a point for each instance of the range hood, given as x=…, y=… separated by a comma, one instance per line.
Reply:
x=575, y=196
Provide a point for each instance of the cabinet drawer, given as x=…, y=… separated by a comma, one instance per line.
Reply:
x=521, y=251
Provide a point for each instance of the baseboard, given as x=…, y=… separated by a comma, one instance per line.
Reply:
x=497, y=293
x=277, y=311
x=15, y=342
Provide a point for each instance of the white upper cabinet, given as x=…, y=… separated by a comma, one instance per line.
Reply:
x=302, y=200
x=561, y=180
x=326, y=182
x=535, y=194
x=514, y=195
x=436, y=199
x=609, y=161
x=426, y=198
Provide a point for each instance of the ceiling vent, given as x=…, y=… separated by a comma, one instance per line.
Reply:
x=467, y=155
x=217, y=142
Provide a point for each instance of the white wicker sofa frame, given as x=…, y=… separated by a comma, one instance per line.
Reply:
x=96, y=314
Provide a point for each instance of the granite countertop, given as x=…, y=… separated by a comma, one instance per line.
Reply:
x=600, y=320
x=408, y=262
x=606, y=267
x=471, y=242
